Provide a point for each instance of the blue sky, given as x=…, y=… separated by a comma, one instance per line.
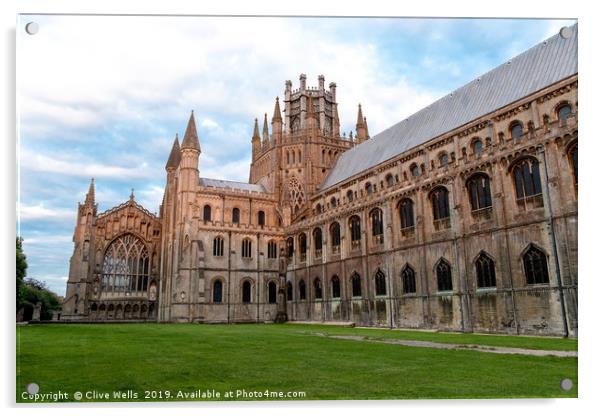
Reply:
x=103, y=97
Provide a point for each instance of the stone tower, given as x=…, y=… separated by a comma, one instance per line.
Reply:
x=303, y=146
x=81, y=263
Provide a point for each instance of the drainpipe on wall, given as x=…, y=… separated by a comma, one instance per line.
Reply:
x=464, y=310
x=229, y=269
x=550, y=224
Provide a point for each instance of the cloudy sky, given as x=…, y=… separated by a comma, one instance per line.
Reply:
x=104, y=96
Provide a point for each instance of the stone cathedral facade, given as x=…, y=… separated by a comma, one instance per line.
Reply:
x=461, y=217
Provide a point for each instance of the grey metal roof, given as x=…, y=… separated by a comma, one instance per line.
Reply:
x=544, y=64
x=238, y=186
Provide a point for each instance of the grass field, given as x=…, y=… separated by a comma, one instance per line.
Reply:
x=193, y=358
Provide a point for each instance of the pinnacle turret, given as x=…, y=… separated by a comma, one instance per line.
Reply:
x=174, y=156
x=191, y=138
x=90, y=196
x=266, y=134
x=277, y=115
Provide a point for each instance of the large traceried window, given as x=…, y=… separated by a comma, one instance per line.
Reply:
x=485, y=268
x=440, y=203
x=479, y=192
x=527, y=182
x=335, y=237
x=408, y=279
x=356, y=231
x=356, y=285
x=406, y=213
x=125, y=267
x=444, y=277
x=536, y=266
x=380, y=283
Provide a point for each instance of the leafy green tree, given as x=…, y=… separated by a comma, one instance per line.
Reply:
x=21, y=271
x=36, y=291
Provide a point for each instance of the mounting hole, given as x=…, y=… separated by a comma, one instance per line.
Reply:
x=32, y=28
x=566, y=384
x=32, y=388
x=566, y=32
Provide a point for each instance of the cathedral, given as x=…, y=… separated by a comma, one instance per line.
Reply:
x=461, y=217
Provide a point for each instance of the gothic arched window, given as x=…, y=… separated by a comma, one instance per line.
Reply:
x=415, y=170
x=207, y=213
x=356, y=229
x=335, y=283
x=477, y=147
x=485, y=269
x=217, y=291
x=272, y=252
x=380, y=283
x=317, y=238
x=289, y=291
x=246, y=292
x=218, y=246
x=349, y=195
x=302, y=290
x=516, y=130
x=536, y=266
x=356, y=285
x=444, y=277
x=390, y=180
x=125, y=266
x=479, y=192
x=317, y=288
x=246, y=248
x=443, y=160
x=335, y=235
x=272, y=292
x=261, y=218
x=369, y=188
x=563, y=113
x=333, y=202
x=527, y=182
x=235, y=216
x=408, y=279
x=302, y=246
x=406, y=213
x=376, y=216
x=440, y=204
x=290, y=247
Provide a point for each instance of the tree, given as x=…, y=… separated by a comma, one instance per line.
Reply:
x=21, y=271
x=35, y=291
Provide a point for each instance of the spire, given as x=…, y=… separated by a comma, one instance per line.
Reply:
x=361, y=130
x=266, y=134
x=256, y=132
x=90, y=195
x=277, y=116
x=174, y=156
x=191, y=138
x=366, y=126
x=360, y=116
x=132, y=196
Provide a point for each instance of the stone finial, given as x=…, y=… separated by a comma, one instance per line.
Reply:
x=277, y=114
x=90, y=196
x=175, y=155
x=191, y=138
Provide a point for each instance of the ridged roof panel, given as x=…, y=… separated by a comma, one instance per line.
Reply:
x=539, y=67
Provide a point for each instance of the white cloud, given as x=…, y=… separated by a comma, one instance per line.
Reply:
x=151, y=68
x=65, y=164
x=39, y=211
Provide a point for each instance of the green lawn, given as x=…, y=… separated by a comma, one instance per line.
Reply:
x=190, y=357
